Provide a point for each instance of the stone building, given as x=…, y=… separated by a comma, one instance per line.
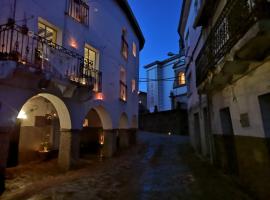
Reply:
x=165, y=84
x=227, y=46
x=69, y=79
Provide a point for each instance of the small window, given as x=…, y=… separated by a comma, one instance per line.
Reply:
x=134, y=49
x=79, y=10
x=133, y=85
x=181, y=78
x=47, y=32
x=124, y=47
x=123, y=86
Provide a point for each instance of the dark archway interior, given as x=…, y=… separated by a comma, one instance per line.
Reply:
x=36, y=135
x=91, y=135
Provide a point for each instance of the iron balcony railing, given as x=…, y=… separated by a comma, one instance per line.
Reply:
x=235, y=20
x=19, y=44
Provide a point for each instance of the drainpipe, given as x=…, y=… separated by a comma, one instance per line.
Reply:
x=210, y=135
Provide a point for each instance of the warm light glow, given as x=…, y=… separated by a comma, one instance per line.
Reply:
x=99, y=96
x=101, y=139
x=73, y=43
x=22, y=115
x=85, y=123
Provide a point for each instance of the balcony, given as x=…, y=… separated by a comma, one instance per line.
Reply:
x=233, y=34
x=38, y=55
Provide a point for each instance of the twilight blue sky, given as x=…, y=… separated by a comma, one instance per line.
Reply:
x=158, y=20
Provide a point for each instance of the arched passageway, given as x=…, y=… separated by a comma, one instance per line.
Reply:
x=92, y=136
x=37, y=132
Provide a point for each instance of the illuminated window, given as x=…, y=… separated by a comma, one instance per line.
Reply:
x=181, y=78
x=91, y=66
x=47, y=32
x=133, y=85
x=79, y=10
x=123, y=86
x=124, y=47
x=134, y=49
x=90, y=56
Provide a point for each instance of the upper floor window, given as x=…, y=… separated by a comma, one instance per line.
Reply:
x=123, y=86
x=79, y=10
x=124, y=46
x=90, y=56
x=134, y=49
x=47, y=32
x=133, y=85
x=181, y=78
x=91, y=60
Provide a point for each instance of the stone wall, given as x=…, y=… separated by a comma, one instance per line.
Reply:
x=174, y=121
x=250, y=164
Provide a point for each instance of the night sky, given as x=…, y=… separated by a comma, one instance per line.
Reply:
x=158, y=20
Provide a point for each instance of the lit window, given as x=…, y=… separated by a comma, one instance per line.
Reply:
x=134, y=49
x=79, y=10
x=133, y=85
x=123, y=86
x=181, y=78
x=90, y=56
x=124, y=47
x=47, y=32
x=91, y=66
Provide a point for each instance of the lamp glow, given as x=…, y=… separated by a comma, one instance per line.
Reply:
x=22, y=115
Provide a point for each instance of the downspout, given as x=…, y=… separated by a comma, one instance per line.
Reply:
x=210, y=134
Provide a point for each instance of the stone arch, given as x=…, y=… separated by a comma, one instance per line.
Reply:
x=104, y=117
x=61, y=108
x=123, y=121
x=134, y=122
x=38, y=127
x=92, y=137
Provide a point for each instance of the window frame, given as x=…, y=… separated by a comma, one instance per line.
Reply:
x=124, y=45
x=82, y=14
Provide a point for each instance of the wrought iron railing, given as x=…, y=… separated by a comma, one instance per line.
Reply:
x=235, y=20
x=19, y=44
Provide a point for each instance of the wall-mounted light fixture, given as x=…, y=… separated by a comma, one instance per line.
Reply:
x=99, y=96
x=22, y=115
x=73, y=43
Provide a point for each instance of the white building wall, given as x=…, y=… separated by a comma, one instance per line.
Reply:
x=104, y=32
x=242, y=97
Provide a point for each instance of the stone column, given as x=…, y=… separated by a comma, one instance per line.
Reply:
x=124, y=138
x=109, y=147
x=4, y=148
x=68, y=148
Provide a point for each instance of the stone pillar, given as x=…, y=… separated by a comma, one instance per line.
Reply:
x=133, y=136
x=68, y=149
x=123, y=138
x=109, y=147
x=4, y=148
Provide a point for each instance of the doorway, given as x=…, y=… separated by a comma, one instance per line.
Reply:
x=231, y=164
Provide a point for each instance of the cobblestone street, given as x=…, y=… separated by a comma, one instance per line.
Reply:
x=159, y=167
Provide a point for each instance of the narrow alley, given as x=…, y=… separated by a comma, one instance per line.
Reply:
x=158, y=167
